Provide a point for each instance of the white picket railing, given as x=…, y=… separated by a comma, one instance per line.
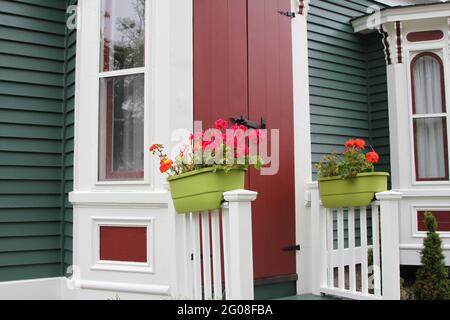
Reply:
x=214, y=251
x=340, y=263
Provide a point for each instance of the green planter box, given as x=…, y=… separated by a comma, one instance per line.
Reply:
x=203, y=190
x=355, y=192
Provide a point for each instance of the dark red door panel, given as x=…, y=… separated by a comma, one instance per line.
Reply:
x=271, y=97
x=220, y=60
x=243, y=66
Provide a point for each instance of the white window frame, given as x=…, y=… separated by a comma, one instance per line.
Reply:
x=146, y=71
x=441, y=52
x=168, y=89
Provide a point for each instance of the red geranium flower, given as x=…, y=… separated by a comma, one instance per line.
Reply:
x=350, y=144
x=235, y=127
x=154, y=147
x=360, y=144
x=166, y=165
x=221, y=124
x=372, y=157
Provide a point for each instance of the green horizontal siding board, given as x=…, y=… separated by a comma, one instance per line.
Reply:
x=31, y=64
x=29, y=173
x=31, y=37
x=30, y=159
x=29, y=229
x=31, y=50
x=30, y=145
x=30, y=118
x=339, y=122
x=30, y=90
x=339, y=113
x=31, y=77
x=29, y=132
x=30, y=103
x=20, y=244
x=22, y=272
x=30, y=187
x=29, y=257
x=32, y=11
x=31, y=24
x=29, y=201
x=29, y=215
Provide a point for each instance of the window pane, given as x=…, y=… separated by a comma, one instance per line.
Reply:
x=123, y=34
x=431, y=149
x=428, y=93
x=122, y=128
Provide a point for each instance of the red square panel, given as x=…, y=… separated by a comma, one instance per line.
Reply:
x=125, y=244
x=442, y=218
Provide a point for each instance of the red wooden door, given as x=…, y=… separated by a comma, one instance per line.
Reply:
x=243, y=66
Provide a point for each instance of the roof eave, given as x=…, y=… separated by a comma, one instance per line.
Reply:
x=365, y=24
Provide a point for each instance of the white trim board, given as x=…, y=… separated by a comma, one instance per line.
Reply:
x=61, y=288
x=36, y=289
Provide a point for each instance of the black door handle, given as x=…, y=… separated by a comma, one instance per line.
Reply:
x=250, y=124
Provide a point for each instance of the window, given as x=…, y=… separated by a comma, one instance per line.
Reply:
x=122, y=77
x=429, y=118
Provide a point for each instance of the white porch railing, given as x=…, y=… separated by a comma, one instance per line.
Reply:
x=344, y=239
x=214, y=255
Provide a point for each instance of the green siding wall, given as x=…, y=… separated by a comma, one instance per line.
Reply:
x=35, y=118
x=347, y=84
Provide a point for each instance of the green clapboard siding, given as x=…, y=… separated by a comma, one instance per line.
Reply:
x=348, y=90
x=36, y=126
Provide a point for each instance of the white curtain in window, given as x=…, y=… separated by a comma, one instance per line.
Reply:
x=429, y=132
x=427, y=85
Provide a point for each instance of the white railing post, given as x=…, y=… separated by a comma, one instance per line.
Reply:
x=317, y=241
x=180, y=288
x=390, y=246
x=238, y=244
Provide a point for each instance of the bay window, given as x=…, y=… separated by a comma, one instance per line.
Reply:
x=122, y=90
x=429, y=118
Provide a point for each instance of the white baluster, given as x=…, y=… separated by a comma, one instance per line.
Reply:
x=376, y=251
x=189, y=251
x=341, y=266
x=330, y=237
x=364, y=251
x=351, y=248
x=226, y=247
x=206, y=254
x=195, y=226
x=216, y=255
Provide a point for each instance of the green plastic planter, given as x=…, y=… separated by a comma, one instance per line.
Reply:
x=355, y=192
x=203, y=189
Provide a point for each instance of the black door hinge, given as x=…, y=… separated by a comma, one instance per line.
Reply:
x=291, y=248
x=289, y=14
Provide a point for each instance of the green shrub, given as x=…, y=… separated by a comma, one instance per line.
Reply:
x=432, y=281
